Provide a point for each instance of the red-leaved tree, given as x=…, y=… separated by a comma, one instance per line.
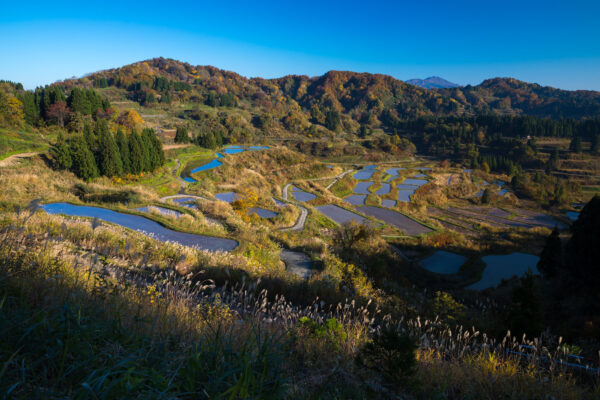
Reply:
x=58, y=112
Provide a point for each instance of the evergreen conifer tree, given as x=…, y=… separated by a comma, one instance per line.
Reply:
x=595, y=145
x=89, y=136
x=110, y=156
x=62, y=153
x=136, y=153
x=84, y=164
x=551, y=257
x=123, y=144
x=149, y=156
x=181, y=136
x=78, y=102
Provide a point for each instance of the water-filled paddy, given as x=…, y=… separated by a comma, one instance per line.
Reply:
x=384, y=189
x=262, y=212
x=364, y=174
x=363, y=187
x=339, y=214
x=443, y=262
x=213, y=164
x=396, y=219
x=573, y=215
x=393, y=171
x=228, y=197
x=279, y=203
x=501, y=267
x=301, y=195
x=188, y=202
x=296, y=263
x=164, y=211
x=216, y=163
x=144, y=225
x=356, y=199
x=415, y=182
x=388, y=203
x=404, y=194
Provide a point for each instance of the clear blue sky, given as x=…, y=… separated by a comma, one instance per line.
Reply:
x=554, y=43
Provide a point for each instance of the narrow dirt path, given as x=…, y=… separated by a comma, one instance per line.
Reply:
x=337, y=178
x=299, y=225
x=12, y=160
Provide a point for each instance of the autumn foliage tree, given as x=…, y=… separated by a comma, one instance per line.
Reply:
x=58, y=112
x=130, y=120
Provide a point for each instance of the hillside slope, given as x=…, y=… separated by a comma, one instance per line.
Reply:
x=360, y=98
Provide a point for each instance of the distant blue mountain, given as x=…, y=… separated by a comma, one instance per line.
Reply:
x=433, y=82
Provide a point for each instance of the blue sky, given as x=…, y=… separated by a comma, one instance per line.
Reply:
x=554, y=43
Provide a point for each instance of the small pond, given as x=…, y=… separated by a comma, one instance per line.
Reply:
x=356, y=199
x=443, y=262
x=144, y=225
x=501, y=267
x=573, y=215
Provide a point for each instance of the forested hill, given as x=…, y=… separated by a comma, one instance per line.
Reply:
x=511, y=96
x=360, y=98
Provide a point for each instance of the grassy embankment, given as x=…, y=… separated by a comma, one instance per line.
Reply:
x=82, y=319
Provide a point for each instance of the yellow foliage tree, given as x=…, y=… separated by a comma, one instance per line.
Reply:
x=130, y=119
x=11, y=109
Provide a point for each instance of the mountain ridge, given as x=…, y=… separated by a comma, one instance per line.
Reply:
x=433, y=82
x=362, y=97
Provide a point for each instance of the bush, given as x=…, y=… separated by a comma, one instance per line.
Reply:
x=332, y=331
x=392, y=354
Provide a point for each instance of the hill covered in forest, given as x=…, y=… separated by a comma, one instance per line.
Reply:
x=358, y=98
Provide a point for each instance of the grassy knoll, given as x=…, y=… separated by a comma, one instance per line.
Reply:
x=15, y=141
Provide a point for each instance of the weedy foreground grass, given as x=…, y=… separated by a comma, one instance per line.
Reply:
x=78, y=324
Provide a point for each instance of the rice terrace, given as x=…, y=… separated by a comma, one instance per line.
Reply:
x=180, y=231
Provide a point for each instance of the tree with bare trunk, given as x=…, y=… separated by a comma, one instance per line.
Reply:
x=58, y=112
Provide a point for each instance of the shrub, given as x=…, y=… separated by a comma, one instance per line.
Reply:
x=392, y=354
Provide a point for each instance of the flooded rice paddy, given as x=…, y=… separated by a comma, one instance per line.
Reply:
x=143, y=225
x=499, y=267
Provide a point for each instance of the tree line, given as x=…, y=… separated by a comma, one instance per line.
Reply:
x=98, y=152
x=51, y=104
x=208, y=140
